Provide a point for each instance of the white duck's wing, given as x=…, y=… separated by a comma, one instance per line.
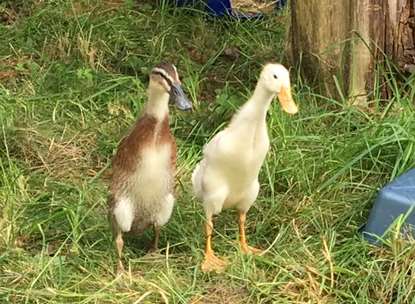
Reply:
x=211, y=153
x=213, y=147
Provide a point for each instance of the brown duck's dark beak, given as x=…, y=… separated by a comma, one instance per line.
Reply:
x=179, y=98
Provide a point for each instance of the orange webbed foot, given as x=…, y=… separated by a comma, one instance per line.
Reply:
x=212, y=263
x=246, y=249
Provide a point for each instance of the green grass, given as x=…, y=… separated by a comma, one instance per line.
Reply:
x=73, y=78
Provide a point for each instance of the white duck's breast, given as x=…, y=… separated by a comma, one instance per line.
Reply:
x=237, y=154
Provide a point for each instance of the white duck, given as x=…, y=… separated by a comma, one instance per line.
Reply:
x=227, y=176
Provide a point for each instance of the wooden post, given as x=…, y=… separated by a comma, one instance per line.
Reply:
x=338, y=42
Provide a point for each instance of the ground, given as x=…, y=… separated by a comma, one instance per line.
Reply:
x=72, y=80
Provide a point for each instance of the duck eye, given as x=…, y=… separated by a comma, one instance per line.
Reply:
x=275, y=76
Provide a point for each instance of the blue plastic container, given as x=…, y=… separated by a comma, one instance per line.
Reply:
x=219, y=7
x=394, y=200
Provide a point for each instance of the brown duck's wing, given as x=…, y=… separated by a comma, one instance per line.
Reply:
x=173, y=156
x=128, y=151
x=110, y=215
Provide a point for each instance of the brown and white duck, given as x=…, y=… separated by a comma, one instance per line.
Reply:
x=142, y=185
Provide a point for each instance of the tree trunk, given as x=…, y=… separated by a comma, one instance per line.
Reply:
x=338, y=43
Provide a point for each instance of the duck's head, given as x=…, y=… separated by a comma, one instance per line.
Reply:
x=164, y=78
x=276, y=79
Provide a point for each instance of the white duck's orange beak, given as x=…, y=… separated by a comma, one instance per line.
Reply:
x=286, y=100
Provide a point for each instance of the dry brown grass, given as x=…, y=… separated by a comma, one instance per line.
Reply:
x=9, y=66
x=254, y=5
x=68, y=157
x=82, y=7
x=221, y=294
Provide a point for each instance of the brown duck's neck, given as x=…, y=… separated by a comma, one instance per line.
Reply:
x=157, y=105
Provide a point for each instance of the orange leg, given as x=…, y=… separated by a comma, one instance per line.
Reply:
x=242, y=237
x=211, y=262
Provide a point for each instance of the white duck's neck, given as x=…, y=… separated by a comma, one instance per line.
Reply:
x=157, y=104
x=255, y=109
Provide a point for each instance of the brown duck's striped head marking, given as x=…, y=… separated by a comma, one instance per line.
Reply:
x=167, y=71
x=165, y=74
